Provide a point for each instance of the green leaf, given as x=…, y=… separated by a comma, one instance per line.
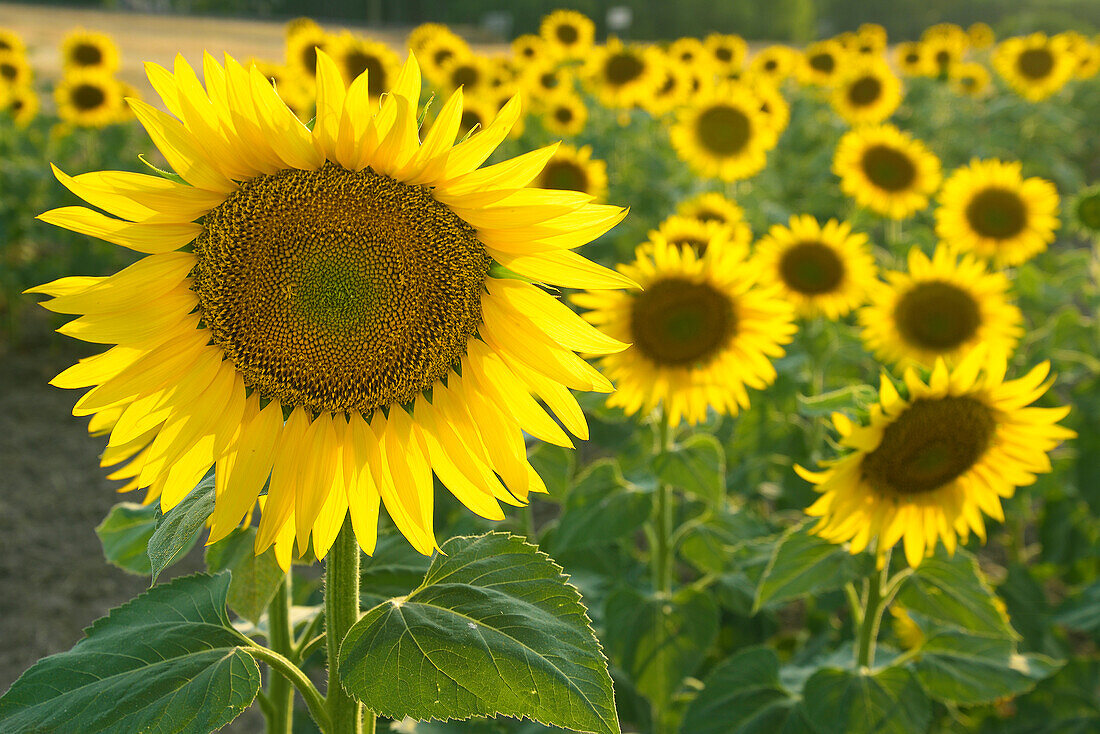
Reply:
x=802, y=563
x=742, y=694
x=712, y=543
x=846, y=398
x=697, y=466
x=167, y=660
x=972, y=669
x=555, y=465
x=178, y=529
x=125, y=534
x=888, y=701
x=601, y=508
x=394, y=569
x=255, y=578
x=951, y=592
x=660, y=641
x=493, y=629
x=1082, y=612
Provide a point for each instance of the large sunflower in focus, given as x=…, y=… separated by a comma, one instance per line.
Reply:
x=869, y=92
x=89, y=51
x=338, y=277
x=990, y=209
x=886, y=170
x=702, y=331
x=568, y=34
x=941, y=309
x=724, y=135
x=929, y=464
x=819, y=270
x=1036, y=66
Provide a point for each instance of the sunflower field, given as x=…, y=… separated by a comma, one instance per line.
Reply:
x=696, y=386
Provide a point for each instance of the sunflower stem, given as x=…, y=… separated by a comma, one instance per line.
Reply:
x=279, y=691
x=341, y=612
x=872, y=614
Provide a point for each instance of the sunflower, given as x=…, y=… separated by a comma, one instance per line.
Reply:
x=820, y=270
x=574, y=169
x=1085, y=212
x=544, y=80
x=990, y=209
x=774, y=62
x=15, y=71
x=928, y=465
x=338, y=277
x=22, y=105
x=529, y=47
x=687, y=51
x=89, y=99
x=773, y=105
x=868, y=93
x=420, y=38
x=980, y=36
x=302, y=47
x=702, y=331
x=437, y=51
x=822, y=63
x=946, y=31
x=941, y=309
x=872, y=39
x=1035, y=66
x=969, y=79
x=356, y=56
x=296, y=92
x=910, y=57
x=886, y=170
x=941, y=53
x=1087, y=55
x=468, y=71
x=712, y=207
x=724, y=135
x=726, y=50
x=83, y=50
x=477, y=113
x=623, y=76
x=565, y=115
x=568, y=34
x=674, y=91
x=702, y=237
x=11, y=41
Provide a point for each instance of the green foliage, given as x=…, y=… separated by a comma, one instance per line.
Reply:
x=166, y=661
x=886, y=701
x=696, y=466
x=802, y=564
x=125, y=534
x=952, y=593
x=601, y=508
x=255, y=578
x=743, y=695
x=973, y=668
x=178, y=530
x=493, y=629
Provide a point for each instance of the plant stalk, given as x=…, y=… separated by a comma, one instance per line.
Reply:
x=341, y=612
x=872, y=614
x=279, y=690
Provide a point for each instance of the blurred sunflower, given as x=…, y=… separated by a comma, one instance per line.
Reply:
x=980, y=36
x=338, y=276
x=774, y=62
x=438, y=51
x=1085, y=212
x=674, y=91
x=687, y=51
x=1087, y=54
x=928, y=465
x=421, y=37
x=477, y=113
x=623, y=76
x=872, y=39
x=773, y=105
x=356, y=56
x=723, y=135
x=468, y=71
x=868, y=92
x=296, y=92
x=568, y=34
x=941, y=52
x=301, y=50
x=990, y=209
x=1035, y=66
x=15, y=70
x=712, y=207
x=822, y=63
x=529, y=47
x=301, y=24
x=819, y=270
x=941, y=309
x=726, y=50
x=565, y=115
x=701, y=332
x=22, y=105
x=11, y=41
x=83, y=50
x=969, y=78
x=910, y=59
x=703, y=237
x=89, y=99
x=546, y=79
x=574, y=169
x=886, y=170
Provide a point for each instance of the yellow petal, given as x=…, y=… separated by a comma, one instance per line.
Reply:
x=149, y=238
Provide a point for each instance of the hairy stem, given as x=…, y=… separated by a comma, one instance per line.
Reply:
x=279, y=690
x=341, y=612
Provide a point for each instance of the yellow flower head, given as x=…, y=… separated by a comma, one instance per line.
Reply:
x=624, y=75
x=341, y=325
x=356, y=56
x=90, y=99
x=886, y=170
x=568, y=34
x=529, y=47
x=990, y=209
x=726, y=51
x=928, y=465
x=713, y=236
x=822, y=63
x=774, y=62
x=83, y=50
x=823, y=271
x=712, y=207
x=15, y=70
x=565, y=115
x=910, y=58
x=1036, y=66
x=969, y=79
x=22, y=105
x=941, y=309
x=702, y=331
x=868, y=92
x=11, y=41
x=980, y=36
x=574, y=169
x=724, y=135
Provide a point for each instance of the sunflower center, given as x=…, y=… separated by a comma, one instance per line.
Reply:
x=339, y=290
x=823, y=62
x=707, y=215
x=1035, y=63
x=1088, y=211
x=723, y=54
x=996, y=213
x=564, y=175
x=563, y=115
x=811, y=268
x=465, y=75
x=8, y=71
x=888, y=168
x=943, y=58
x=937, y=316
x=680, y=323
x=86, y=54
x=567, y=34
x=865, y=91
x=442, y=55
x=697, y=245
x=623, y=68
x=88, y=97
x=309, y=58
x=723, y=130
x=549, y=80
x=930, y=444
x=356, y=62
x=771, y=65
x=912, y=57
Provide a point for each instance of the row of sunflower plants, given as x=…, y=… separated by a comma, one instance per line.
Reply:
x=785, y=492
